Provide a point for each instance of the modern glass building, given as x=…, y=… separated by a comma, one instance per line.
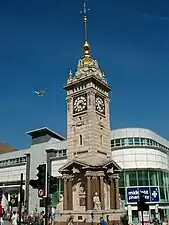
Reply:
x=144, y=159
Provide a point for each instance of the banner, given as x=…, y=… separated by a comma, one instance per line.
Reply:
x=151, y=194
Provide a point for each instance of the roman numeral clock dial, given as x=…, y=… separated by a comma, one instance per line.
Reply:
x=80, y=104
x=100, y=106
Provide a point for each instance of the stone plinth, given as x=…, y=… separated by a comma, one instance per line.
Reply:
x=90, y=216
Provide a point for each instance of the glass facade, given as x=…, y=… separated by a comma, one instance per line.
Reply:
x=58, y=192
x=136, y=141
x=145, y=178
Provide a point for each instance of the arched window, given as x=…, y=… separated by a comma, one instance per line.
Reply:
x=101, y=140
x=80, y=140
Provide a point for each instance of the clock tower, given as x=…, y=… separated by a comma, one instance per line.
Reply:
x=88, y=124
x=90, y=176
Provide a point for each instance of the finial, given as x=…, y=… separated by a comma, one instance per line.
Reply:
x=70, y=77
x=70, y=73
x=86, y=46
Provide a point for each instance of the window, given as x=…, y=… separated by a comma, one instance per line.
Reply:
x=64, y=152
x=122, y=193
x=136, y=141
x=80, y=140
x=142, y=141
x=143, y=178
x=60, y=153
x=160, y=177
x=162, y=196
x=101, y=140
x=112, y=143
x=153, y=178
x=130, y=141
x=131, y=178
x=122, y=141
x=117, y=142
x=148, y=142
x=121, y=180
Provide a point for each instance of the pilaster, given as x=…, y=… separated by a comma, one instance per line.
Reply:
x=116, y=178
x=112, y=193
x=89, y=192
x=65, y=194
x=70, y=193
x=101, y=176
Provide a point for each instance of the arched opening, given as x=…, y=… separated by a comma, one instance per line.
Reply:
x=80, y=140
x=101, y=140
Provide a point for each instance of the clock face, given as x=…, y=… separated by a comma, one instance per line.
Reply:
x=100, y=106
x=80, y=104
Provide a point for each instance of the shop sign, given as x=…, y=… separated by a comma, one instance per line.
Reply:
x=151, y=194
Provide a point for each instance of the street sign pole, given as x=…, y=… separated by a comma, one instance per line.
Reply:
x=46, y=199
x=21, y=198
x=142, y=217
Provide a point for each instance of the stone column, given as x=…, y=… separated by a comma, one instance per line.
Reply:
x=69, y=194
x=116, y=177
x=93, y=180
x=89, y=194
x=65, y=206
x=102, y=191
x=112, y=193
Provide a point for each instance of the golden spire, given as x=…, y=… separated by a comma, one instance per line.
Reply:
x=86, y=46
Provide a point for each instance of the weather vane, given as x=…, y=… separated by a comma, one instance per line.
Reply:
x=85, y=19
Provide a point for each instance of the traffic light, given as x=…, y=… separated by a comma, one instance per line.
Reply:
x=53, y=184
x=41, y=182
x=141, y=204
x=45, y=201
x=34, y=184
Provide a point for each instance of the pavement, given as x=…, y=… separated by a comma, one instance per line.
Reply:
x=6, y=223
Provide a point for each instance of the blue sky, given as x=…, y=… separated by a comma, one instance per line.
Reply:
x=41, y=40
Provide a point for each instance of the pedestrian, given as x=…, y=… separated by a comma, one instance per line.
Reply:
x=102, y=221
x=14, y=218
x=70, y=221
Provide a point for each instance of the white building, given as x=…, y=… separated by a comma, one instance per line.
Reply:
x=142, y=154
x=144, y=157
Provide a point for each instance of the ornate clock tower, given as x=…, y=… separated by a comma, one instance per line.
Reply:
x=88, y=124
x=90, y=176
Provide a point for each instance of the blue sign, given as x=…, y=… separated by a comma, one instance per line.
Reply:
x=151, y=194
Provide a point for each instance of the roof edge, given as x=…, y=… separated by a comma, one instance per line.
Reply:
x=46, y=130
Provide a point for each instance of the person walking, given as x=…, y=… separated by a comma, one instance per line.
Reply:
x=14, y=218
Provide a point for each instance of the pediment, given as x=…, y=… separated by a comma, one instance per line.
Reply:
x=71, y=165
x=76, y=166
x=111, y=164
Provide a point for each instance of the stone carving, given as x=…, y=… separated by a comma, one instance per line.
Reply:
x=59, y=206
x=61, y=198
x=70, y=77
x=87, y=69
x=110, y=171
x=96, y=202
x=81, y=190
x=101, y=125
x=75, y=170
x=80, y=122
x=122, y=205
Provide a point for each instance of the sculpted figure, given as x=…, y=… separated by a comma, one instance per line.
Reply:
x=96, y=201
